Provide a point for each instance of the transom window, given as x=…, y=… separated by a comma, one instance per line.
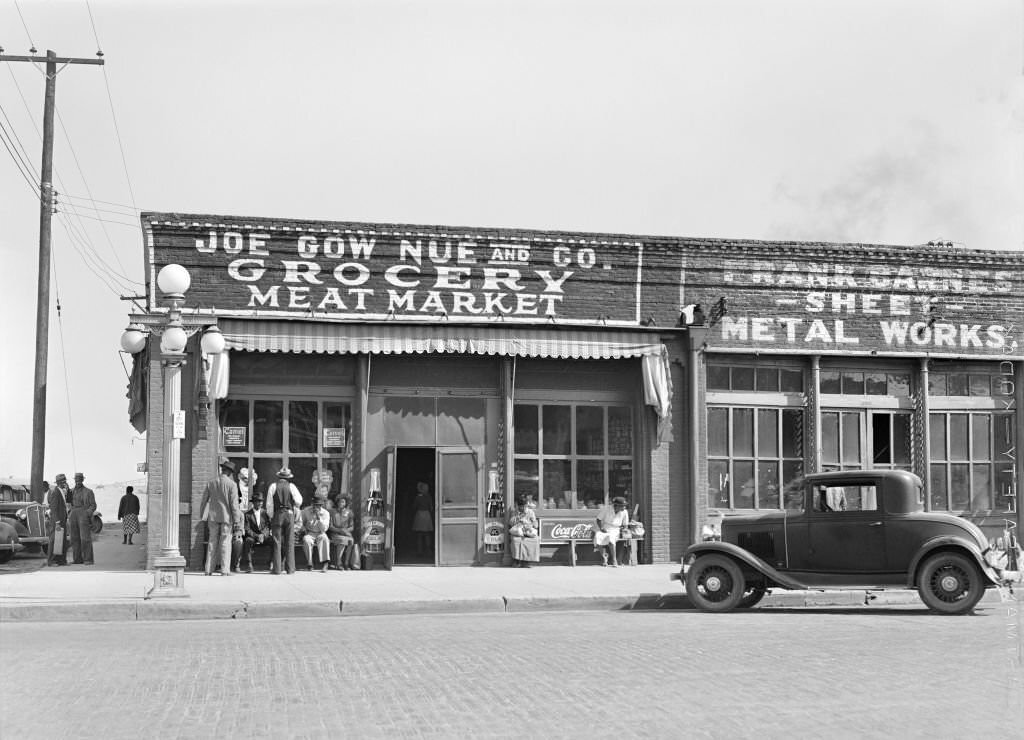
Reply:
x=750, y=378
x=572, y=456
x=865, y=383
x=969, y=384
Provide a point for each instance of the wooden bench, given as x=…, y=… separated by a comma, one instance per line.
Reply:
x=571, y=532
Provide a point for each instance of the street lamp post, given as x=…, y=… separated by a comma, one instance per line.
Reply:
x=173, y=281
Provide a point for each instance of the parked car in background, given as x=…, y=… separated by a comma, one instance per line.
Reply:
x=25, y=516
x=862, y=529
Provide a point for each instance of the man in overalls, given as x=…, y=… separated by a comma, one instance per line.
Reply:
x=83, y=506
x=283, y=500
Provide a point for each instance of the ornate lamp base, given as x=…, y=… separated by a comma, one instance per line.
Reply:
x=168, y=578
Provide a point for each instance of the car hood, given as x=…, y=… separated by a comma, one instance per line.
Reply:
x=746, y=521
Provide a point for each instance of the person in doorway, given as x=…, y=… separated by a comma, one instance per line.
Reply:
x=315, y=522
x=340, y=534
x=219, y=509
x=524, y=537
x=57, y=526
x=257, y=530
x=608, y=528
x=423, y=519
x=128, y=513
x=283, y=503
x=83, y=506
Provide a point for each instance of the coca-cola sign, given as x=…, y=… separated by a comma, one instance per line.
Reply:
x=567, y=530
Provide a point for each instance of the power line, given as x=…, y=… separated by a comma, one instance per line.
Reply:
x=25, y=26
x=24, y=156
x=34, y=186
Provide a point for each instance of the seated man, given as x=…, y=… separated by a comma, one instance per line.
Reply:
x=257, y=530
x=315, y=521
x=340, y=534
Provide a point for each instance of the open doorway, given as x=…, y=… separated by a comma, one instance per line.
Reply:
x=414, y=465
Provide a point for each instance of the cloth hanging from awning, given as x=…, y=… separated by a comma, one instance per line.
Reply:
x=343, y=338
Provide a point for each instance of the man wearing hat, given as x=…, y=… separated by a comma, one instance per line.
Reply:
x=283, y=503
x=315, y=521
x=83, y=506
x=57, y=523
x=219, y=509
x=610, y=522
x=257, y=530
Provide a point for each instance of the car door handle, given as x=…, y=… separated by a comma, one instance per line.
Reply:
x=875, y=524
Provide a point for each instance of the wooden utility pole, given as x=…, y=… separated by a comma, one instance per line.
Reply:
x=43, y=297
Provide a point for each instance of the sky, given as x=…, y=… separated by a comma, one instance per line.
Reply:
x=891, y=122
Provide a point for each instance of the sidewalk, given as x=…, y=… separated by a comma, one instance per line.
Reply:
x=113, y=590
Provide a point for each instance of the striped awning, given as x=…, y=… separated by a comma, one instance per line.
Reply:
x=342, y=338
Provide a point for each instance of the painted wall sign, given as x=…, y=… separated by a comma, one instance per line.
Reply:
x=859, y=306
x=324, y=270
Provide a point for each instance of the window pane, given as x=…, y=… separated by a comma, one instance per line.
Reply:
x=718, y=378
x=234, y=425
x=959, y=486
x=851, y=438
x=335, y=427
x=718, y=484
x=268, y=426
x=744, y=484
x=525, y=420
x=589, y=430
x=938, y=486
x=768, y=484
x=981, y=385
x=830, y=382
x=743, y=432
x=881, y=439
x=981, y=449
x=981, y=482
x=958, y=436
x=767, y=379
x=792, y=474
x=557, y=480
x=937, y=384
x=302, y=426
x=956, y=384
x=830, y=437
x=767, y=433
x=1004, y=488
x=620, y=430
x=718, y=432
x=743, y=378
x=620, y=479
x=853, y=383
x=937, y=432
x=899, y=384
x=589, y=482
x=526, y=479
x=791, y=381
x=901, y=439
x=874, y=383
x=792, y=433
x=557, y=438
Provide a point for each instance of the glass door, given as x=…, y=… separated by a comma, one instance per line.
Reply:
x=459, y=495
x=865, y=439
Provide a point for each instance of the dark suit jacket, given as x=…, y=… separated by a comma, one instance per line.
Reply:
x=251, y=529
x=58, y=507
x=220, y=501
x=129, y=505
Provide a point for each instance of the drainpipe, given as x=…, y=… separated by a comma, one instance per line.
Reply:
x=815, y=412
x=698, y=341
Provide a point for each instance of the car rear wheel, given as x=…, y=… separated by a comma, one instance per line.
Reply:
x=715, y=583
x=751, y=597
x=950, y=583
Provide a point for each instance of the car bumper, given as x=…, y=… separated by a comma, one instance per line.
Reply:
x=15, y=546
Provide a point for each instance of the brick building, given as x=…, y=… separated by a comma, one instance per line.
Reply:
x=683, y=374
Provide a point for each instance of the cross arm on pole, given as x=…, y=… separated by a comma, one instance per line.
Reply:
x=55, y=60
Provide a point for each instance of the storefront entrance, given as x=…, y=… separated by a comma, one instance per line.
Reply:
x=453, y=479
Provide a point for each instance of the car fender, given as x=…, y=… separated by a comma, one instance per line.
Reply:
x=949, y=541
x=745, y=557
x=9, y=539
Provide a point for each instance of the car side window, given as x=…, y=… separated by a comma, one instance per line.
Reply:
x=845, y=498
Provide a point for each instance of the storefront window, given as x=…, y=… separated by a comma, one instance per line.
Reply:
x=972, y=461
x=765, y=379
x=573, y=456
x=752, y=455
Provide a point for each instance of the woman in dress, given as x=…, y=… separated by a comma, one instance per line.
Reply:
x=523, y=534
x=340, y=534
x=128, y=513
x=423, y=519
x=609, y=525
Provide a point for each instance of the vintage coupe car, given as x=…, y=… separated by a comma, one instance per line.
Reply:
x=863, y=529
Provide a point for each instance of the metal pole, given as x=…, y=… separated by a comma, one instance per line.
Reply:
x=43, y=297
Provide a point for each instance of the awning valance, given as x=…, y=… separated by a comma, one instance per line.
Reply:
x=342, y=338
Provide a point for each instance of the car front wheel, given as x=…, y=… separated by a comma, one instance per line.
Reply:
x=715, y=583
x=950, y=583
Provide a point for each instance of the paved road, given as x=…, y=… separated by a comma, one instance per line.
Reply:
x=897, y=672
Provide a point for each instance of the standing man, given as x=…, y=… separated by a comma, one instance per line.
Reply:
x=83, y=506
x=128, y=513
x=219, y=509
x=283, y=503
x=57, y=525
x=61, y=486
x=315, y=521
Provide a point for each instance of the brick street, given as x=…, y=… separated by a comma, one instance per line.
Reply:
x=881, y=672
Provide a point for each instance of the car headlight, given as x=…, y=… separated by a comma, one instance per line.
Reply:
x=20, y=513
